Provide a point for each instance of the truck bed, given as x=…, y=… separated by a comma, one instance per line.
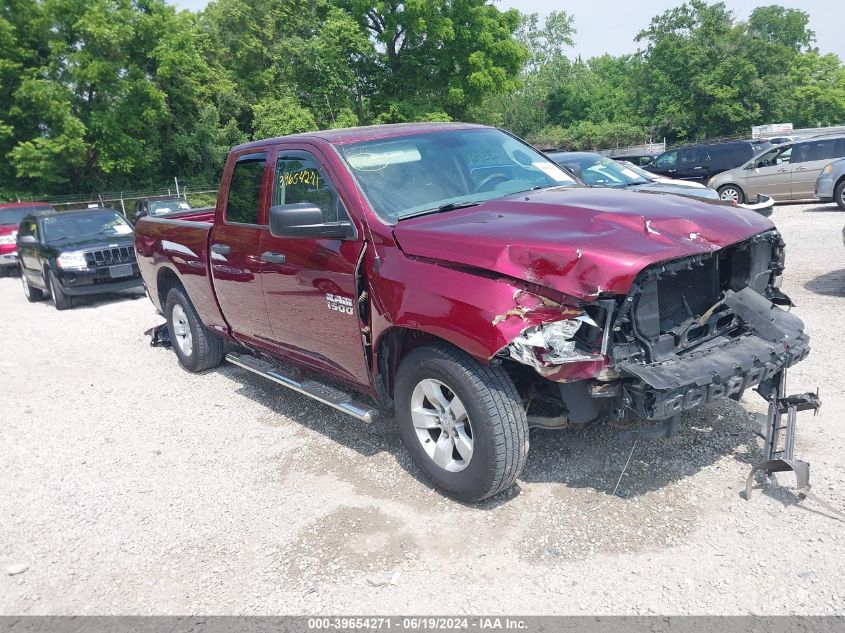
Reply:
x=176, y=247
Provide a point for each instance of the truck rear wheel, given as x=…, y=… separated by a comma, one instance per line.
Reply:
x=463, y=423
x=195, y=346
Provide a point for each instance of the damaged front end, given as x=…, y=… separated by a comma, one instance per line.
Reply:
x=689, y=330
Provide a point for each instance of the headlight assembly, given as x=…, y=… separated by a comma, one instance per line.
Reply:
x=72, y=260
x=550, y=343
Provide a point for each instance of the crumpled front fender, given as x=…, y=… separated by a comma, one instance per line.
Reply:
x=477, y=311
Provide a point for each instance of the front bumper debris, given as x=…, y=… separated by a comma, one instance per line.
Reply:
x=764, y=205
x=724, y=367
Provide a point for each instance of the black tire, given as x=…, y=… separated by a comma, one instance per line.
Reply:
x=207, y=350
x=839, y=194
x=740, y=195
x=498, y=422
x=61, y=299
x=32, y=294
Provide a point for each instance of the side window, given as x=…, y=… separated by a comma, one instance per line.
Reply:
x=799, y=153
x=822, y=150
x=693, y=156
x=669, y=159
x=29, y=227
x=24, y=228
x=299, y=179
x=774, y=157
x=245, y=190
x=839, y=148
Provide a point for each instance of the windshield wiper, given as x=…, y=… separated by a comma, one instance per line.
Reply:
x=449, y=206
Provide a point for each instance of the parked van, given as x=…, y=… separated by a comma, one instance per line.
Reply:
x=786, y=172
x=702, y=161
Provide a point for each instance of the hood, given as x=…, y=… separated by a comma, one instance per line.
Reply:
x=680, y=189
x=92, y=242
x=580, y=241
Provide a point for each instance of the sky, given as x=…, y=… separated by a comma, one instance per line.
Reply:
x=610, y=27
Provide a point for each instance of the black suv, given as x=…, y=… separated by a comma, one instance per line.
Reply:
x=702, y=161
x=63, y=254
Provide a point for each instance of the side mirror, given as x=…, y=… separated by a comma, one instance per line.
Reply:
x=305, y=220
x=27, y=239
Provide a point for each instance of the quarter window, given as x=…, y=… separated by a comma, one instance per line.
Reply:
x=242, y=204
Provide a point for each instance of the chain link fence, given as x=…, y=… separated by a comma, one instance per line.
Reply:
x=197, y=195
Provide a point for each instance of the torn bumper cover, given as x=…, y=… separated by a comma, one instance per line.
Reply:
x=764, y=205
x=723, y=367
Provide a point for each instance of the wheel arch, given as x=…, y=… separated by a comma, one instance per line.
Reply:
x=394, y=344
x=166, y=278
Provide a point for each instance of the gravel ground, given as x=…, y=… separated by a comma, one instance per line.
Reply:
x=130, y=486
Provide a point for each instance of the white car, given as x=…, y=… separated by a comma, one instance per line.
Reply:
x=656, y=178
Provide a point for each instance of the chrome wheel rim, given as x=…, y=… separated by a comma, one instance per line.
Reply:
x=442, y=425
x=730, y=195
x=25, y=285
x=182, y=331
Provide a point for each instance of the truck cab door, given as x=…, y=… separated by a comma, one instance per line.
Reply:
x=234, y=250
x=310, y=284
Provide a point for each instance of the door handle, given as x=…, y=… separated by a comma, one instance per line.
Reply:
x=273, y=258
x=699, y=167
x=782, y=171
x=221, y=249
x=800, y=168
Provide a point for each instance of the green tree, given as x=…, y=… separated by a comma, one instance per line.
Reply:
x=523, y=110
x=438, y=57
x=696, y=80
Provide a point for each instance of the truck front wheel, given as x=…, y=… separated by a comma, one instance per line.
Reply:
x=463, y=423
x=195, y=346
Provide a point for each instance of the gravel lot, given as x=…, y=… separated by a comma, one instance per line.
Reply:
x=130, y=486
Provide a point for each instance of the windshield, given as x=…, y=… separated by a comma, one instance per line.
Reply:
x=160, y=207
x=421, y=173
x=16, y=214
x=79, y=225
x=598, y=171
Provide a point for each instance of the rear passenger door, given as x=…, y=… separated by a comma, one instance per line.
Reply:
x=808, y=160
x=234, y=250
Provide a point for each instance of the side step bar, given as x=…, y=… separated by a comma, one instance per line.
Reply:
x=323, y=393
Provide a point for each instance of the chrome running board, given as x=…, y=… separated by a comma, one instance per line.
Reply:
x=311, y=388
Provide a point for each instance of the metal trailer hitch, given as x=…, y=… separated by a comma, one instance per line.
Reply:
x=779, y=447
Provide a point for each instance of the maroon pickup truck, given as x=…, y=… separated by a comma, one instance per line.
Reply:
x=454, y=273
